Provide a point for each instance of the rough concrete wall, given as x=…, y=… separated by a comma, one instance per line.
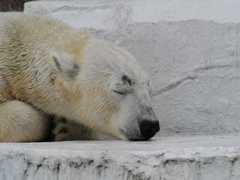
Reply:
x=194, y=64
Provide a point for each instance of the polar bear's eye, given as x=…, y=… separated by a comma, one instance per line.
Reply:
x=126, y=79
x=123, y=87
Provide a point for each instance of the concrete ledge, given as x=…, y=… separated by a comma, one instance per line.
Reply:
x=175, y=158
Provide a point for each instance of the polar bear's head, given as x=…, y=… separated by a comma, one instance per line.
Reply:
x=114, y=93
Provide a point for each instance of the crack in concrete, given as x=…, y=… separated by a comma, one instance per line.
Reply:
x=173, y=85
x=211, y=67
x=195, y=75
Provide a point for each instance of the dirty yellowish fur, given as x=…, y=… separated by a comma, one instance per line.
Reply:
x=29, y=84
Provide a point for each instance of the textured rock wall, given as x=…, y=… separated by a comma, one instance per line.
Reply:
x=194, y=64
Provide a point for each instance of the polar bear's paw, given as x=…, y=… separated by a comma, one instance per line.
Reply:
x=65, y=130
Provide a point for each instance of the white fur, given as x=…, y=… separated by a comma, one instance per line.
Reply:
x=37, y=60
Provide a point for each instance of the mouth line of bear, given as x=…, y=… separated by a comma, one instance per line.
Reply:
x=125, y=134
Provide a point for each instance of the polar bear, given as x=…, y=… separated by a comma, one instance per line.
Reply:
x=48, y=68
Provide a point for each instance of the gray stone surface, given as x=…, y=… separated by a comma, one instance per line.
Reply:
x=194, y=64
x=185, y=158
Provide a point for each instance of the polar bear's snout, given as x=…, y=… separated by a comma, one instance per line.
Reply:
x=136, y=117
x=144, y=127
x=149, y=126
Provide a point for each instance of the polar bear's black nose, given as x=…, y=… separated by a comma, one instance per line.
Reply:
x=149, y=128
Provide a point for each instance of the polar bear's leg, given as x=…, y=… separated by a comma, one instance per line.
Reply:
x=67, y=130
x=20, y=122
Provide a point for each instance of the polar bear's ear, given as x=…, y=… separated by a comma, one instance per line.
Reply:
x=66, y=66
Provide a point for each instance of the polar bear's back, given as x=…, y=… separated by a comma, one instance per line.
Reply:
x=39, y=35
x=31, y=29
